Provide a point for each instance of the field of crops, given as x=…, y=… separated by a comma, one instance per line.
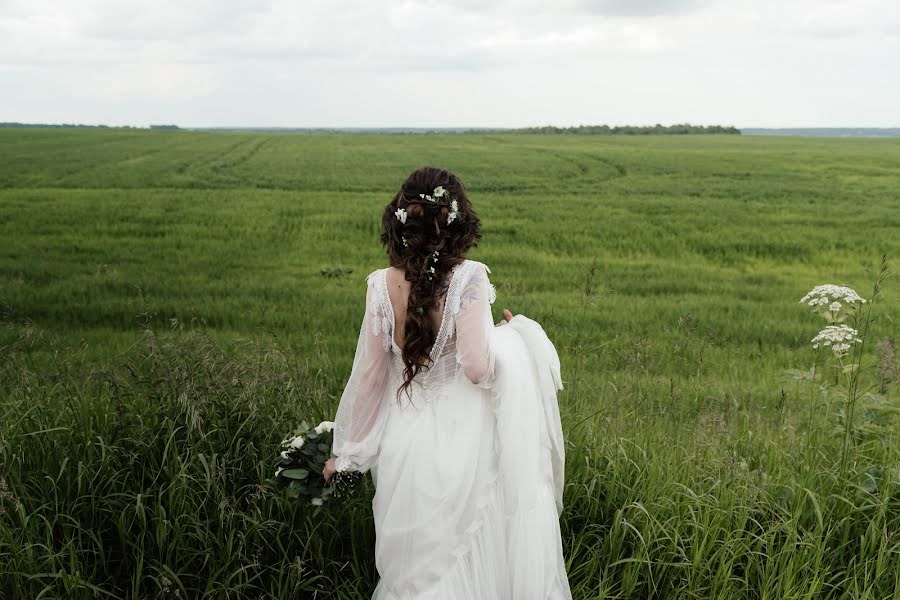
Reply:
x=171, y=303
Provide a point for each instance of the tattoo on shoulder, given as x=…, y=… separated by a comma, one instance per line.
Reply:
x=468, y=296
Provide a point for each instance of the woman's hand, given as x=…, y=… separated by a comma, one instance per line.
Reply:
x=329, y=470
x=507, y=317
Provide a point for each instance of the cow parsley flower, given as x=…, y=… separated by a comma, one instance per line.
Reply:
x=400, y=213
x=832, y=302
x=840, y=338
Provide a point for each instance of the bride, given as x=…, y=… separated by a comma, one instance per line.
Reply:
x=456, y=419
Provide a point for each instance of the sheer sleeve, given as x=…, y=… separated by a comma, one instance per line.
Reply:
x=362, y=413
x=475, y=327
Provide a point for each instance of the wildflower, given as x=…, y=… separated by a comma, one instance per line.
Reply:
x=839, y=338
x=297, y=442
x=317, y=502
x=830, y=300
x=400, y=213
x=439, y=191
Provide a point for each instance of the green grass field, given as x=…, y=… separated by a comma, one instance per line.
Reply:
x=167, y=316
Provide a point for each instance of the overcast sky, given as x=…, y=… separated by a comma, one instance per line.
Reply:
x=347, y=63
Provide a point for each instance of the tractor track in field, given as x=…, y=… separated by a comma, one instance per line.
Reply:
x=212, y=160
x=224, y=167
x=583, y=167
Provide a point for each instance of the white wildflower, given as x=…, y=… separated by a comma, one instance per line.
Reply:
x=439, y=191
x=832, y=301
x=838, y=337
x=400, y=213
x=317, y=502
x=297, y=442
x=285, y=455
x=325, y=427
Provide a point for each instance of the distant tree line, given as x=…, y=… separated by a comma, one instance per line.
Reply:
x=680, y=129
x=53, y=126
x=76, y=125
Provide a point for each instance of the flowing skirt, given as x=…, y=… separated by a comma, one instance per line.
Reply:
x=468, y=485
x=438, y=506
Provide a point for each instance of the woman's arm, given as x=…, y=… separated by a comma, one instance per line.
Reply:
x=474, y=326
x=362, y=413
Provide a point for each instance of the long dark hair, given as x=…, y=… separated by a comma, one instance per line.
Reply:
x=426, y=240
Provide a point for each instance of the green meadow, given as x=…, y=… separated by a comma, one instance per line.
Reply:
x=172, y=303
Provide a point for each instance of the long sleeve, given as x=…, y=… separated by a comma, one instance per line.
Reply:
x=361, y=413
x=475, y=327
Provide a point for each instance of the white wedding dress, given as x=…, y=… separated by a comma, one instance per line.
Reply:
x=468, y=468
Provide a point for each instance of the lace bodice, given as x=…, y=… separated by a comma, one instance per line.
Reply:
x=464, y=279
x=461, y=348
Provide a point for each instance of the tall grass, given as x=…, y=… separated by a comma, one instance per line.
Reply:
x=149, y=476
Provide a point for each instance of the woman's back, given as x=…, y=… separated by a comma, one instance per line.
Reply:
x=398, y=292
x=461, y=322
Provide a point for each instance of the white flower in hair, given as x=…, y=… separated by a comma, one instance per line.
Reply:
x=400, y=213
x=454, y=212
x=439, y=191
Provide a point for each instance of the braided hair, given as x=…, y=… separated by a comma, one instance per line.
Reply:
x=426, y=239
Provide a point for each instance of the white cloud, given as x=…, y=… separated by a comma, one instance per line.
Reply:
x=500, y=62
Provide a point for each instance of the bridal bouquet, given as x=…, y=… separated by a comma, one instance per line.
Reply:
x=302, y=459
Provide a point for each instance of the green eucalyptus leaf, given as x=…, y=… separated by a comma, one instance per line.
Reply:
x=295, y=473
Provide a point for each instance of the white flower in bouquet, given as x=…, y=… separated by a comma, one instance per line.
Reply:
x=301, y=472
x=840, y=338
x=325, y=427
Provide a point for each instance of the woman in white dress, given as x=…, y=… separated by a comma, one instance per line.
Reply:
x=456, y=419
